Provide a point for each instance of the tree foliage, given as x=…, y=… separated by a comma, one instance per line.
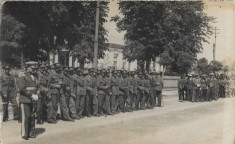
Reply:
x=50, y=26
x=153, y=28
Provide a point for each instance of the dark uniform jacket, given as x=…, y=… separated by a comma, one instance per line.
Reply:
x=181, y=83
x=7, y=83
x=204, y=84
x=90, y=84
x=115, y=85
x=124, y=86
x=24, y=82
x=146, y=85
x=81, y=90
x=133, y=84
x=189, y=84
x=157, y=83
x=101, y=85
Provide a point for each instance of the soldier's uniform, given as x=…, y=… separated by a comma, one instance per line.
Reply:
x=157, y=86
x=91, y=100
x=55, y=86
x=181, y=85
x=133, y=89
x=27, y=88
x=73, y=95
x=211, y=87
x=189, y=88
x=81, y=93
x=107, y=103
x=204, y=87
x=140, y=95
x=8, y=94
x=196, y=86
x=146, y=85
x=123, y=92
x=41, y=107
x=101, y=89
x=63, y=97
x=115, y=92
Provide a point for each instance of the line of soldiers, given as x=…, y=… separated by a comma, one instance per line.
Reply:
x=202, y=88
x=70, y=94
x=89, y=92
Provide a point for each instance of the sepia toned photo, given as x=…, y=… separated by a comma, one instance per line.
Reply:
x=117, y=72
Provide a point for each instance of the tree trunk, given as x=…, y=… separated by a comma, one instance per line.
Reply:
x=147, y=66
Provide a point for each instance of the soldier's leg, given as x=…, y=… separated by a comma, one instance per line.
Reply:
x=4, y=108
x=100, y=104
x=142, y=101
x=117, y=103
x=159, y=99
x=50, y=111
x=137, y=106
x=121, y=103
x=39, y=109
x=88, y=105
x=128, y=103
x=81, y=105
x=31, y=121
x=54, y=101
x=25, y=124
x=72, y=107
x=64, y=108
x=113, y=103
x=107, y=105
x=77, y=103
x=133, y=102
x=12, y=99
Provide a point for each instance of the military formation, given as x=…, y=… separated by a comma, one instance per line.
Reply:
x=52, y=92
x=202, y=88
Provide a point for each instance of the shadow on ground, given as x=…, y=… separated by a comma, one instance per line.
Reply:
x=39, y=131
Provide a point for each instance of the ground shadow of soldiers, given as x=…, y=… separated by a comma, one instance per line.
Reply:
x=39, y=131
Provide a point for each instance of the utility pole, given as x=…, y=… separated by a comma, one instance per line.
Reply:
x=96, y=36
x=214, y=44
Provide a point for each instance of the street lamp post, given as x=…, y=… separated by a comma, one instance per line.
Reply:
x=96, y=36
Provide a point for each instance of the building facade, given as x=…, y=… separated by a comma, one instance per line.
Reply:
x=113, y=58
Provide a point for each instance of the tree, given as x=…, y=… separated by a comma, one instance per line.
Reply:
x=202, y=66
x=215, y=66
x=12, y=32
x=50, y=26
x=152, y=28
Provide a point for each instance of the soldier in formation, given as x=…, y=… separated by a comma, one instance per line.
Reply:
x=203, y=88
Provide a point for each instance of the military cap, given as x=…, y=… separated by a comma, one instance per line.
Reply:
x=7, y=67
x=204, y=75
x=211, y=74
x=57, y=65
x=114, y=72
x=189, y=75
x=66, y=69
x=71, y=68
x=85, y=72
x=34, y=67
x=42, y=66
x=52, y=66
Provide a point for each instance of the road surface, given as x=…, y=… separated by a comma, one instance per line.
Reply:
x=175, y=123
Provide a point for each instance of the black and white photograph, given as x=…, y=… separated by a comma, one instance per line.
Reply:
x=117, y=72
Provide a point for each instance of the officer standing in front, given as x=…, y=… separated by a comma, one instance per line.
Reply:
x=28, y=94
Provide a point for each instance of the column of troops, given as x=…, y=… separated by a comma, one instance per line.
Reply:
x=70, y=94
x=201, y=88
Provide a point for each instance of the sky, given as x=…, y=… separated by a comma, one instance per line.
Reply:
x=224, y=12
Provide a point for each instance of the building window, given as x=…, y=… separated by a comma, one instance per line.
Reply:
x=115, y=64
x=115, y=55
x=124, y=65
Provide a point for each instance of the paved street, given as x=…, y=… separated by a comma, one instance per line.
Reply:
x=175, y=123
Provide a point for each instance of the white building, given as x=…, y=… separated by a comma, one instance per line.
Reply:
x=113, y=58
